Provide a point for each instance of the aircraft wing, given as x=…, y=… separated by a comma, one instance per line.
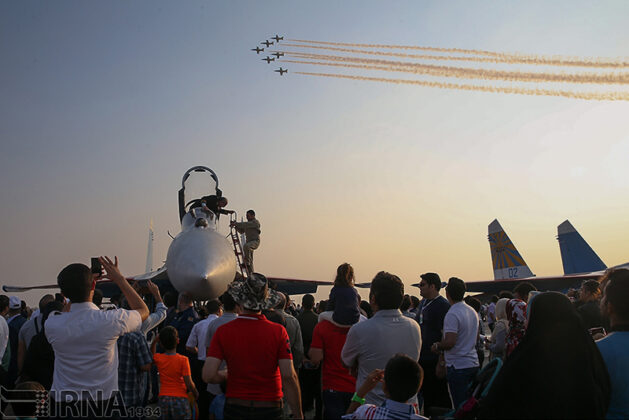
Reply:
x=545, y=283
x=297, y=286
x=159, y=277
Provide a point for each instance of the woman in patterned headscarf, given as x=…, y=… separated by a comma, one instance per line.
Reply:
x=516, y=314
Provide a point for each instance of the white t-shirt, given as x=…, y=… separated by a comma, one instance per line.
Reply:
x=462, y=319
x=86, y=355
x=198, y=335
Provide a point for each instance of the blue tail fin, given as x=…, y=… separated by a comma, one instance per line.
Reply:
x=576, y=255
x=506, y=260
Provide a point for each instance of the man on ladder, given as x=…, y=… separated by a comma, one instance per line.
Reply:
x=251, y=229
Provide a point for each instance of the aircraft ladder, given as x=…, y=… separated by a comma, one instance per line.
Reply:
x=238, y=247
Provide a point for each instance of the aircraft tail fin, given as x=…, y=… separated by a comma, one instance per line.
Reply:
x=577, y=255
x=505, y=258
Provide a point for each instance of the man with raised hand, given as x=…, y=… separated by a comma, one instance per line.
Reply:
x=84, y=341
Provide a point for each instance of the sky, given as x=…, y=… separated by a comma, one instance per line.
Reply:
x=105, y=105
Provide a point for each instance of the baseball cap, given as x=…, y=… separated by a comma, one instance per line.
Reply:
x=15, y=302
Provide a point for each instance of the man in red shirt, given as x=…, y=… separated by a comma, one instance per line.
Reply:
x=257, y=354
x=337, y=384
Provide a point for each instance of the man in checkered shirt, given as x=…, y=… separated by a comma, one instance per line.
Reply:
x=134, y=360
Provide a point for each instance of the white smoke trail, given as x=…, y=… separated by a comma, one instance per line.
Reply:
x=512, y=58
x=463, y=72
x=599, y=96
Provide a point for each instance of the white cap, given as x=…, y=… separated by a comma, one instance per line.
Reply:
x=15, y=302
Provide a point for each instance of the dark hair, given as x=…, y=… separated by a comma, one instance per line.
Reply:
x=4, y=302
x=251, y=212
x=366, y=307
x=75, y=282
x=456, y=289
x=593, y=287
x=414, y=301
x=523, y=289
x=432, y=279
x=214, y=306
x=323, y=305
x=616, y=283
x=97, y=299
x=203, y=312
x=406, y=303
x=168, y=338
x=229, y=304
x=473, y=302
x=274, y=316
x=185, y=298
x=307, y=302
x=50, y=308
x=387, y=290
x=170, y=299
x=44, y=301
x=344, y=275
x=281, y=303
x=26, y=396
x=495, y=299
x=403, y=376
x=505, y=294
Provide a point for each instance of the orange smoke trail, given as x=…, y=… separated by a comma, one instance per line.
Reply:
x=511, y=58
x=462, y=72
x=599, y=96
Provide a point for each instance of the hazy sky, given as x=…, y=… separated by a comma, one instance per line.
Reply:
x=104, y=106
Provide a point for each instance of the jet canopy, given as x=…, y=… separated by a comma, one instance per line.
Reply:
x=191, y=197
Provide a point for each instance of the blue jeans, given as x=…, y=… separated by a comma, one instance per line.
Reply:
x=458, y=383
x=335, y=403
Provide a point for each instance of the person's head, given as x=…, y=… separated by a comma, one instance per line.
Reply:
x=615, y=302
x=184, y=301
x=414, y=302
x=344, y=275
x=253, y=293
x=170, y=299
x=552, y=311
x=251, y=215
x=429, y=285
x=26, y=398
x=281, y=303
x=455, y=290
x=366, y=308
x=287, y=301
x=76, y=283
x=97, y=299
x=494, y=299
x=402, y=378
x=202, y=312
x=15, y=305
x=522, y=290
x=386, y=292
x=169, y=338
x=307, y=302
x=4, y=304
x=221, y=202
x=590, y=291
x=406, y=303
x=323, y=306
x=229, y=304
x=505, y=294
x=473, y=302
x=215, y=307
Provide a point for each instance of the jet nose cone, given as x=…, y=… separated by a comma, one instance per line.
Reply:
x=201, y=262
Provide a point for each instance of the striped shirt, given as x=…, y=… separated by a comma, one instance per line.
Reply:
x=388, y=410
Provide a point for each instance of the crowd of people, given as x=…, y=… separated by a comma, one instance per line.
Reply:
x=253, y=353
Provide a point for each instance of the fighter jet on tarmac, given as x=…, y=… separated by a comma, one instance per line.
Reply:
x=277, y=38
x=267, y=43
x=200, y=260
x=281, y=71
x=278, y=54
x=268, y=59
x=258, y=50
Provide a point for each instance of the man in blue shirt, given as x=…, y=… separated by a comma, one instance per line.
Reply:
x=615, y=306
x=431, y=312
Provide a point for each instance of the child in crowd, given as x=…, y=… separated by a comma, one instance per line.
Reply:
x=402, y=379
x=29, y=404
x=174, y=377
x=343, y=305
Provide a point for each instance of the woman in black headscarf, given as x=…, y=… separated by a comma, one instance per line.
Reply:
x=555, y=372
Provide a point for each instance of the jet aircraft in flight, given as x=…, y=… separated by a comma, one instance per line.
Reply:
x=277, y=38
x=267, y=43
x=278, y=54
x=281, y=71
x=268, y=59
x=258, y=50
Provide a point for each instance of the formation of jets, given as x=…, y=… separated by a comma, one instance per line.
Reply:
x=277, y=54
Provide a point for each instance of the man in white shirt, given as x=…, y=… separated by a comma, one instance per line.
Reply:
x=196, y=344
x=84, y=341
x=371, y=343
x=460, y=332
